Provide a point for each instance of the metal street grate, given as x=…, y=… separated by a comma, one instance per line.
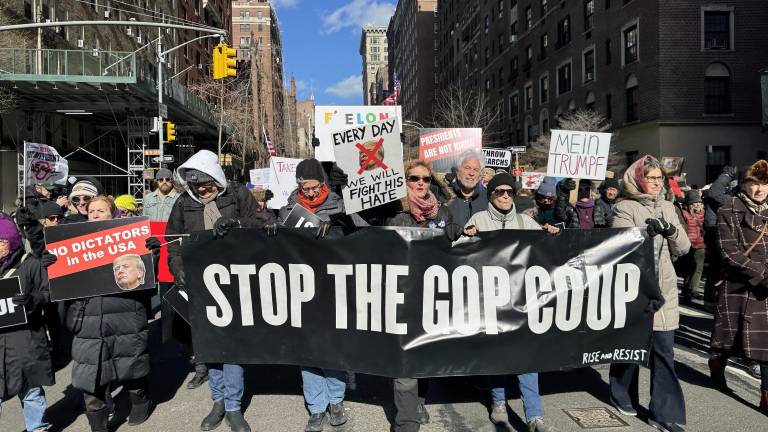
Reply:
x=595, y=418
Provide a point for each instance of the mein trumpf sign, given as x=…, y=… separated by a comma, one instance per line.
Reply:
x=578, y=154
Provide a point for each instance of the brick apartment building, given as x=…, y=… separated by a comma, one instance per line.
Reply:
x=675, y=78
x=373, y=50
x=255, y=25
x=411, y=36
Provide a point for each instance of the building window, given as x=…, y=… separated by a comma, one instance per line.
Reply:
x=589, y=101
x=515, y=67
x=528, y=18
x=245, y=27
x=487, y=23
x=544, y=42
x=589, y=15
x=528, y=97
x=564, y=78
x=717, y=29
x=717, y=158
x=544, y=89
x=608, y=107
x=632, y=96
x=514, y=105
x=564, y=31
x=544, y=121
x=717, y=89
x=630, y=44
x=528, y=56
x=607, y=51
x=544, y=7
x=259, y=14
x=607, y=4
x=245, y=41
x=589, y=66
x=529, y=129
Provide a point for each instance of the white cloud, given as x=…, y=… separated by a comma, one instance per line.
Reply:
x=348, y=88
x=357, y=14
x=284, y=3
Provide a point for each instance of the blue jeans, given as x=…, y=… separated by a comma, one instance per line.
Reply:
x=529, y=393
x=227, y=384
x=33, y=404
x=322, y=387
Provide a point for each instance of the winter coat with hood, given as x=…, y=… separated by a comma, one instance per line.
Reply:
x=740, y=315
x=633, y=212
x=462, y=208
x=24, y=353
x=564, y=211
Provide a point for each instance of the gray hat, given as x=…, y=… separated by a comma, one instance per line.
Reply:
x=548, y=187
x=693, y=196
x=164, y=173
x=197, y=176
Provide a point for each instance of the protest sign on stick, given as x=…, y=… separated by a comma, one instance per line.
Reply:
x=99, y=258
x=331, y=119
x=282, y=180
x=10, y=314
x=578, y=155
x=532, y=180
x=443, y=147
x=672, y=166
x=372, y=157
x=260, y=177
x=44, y=165
x=497, y=158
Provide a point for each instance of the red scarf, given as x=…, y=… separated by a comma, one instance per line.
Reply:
x=423, y=209
x=312, y=204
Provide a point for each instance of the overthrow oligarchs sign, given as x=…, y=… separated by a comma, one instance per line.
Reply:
x=405, y=303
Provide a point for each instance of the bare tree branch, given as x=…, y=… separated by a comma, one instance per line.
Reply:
x=456, y=107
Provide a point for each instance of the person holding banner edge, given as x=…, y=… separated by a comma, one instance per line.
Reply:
x=26, y=362
x=212, y=203
x=111, y=346
x=645, y=207
x=501, y=214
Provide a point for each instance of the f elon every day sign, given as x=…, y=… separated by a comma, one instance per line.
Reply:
x=577, y=154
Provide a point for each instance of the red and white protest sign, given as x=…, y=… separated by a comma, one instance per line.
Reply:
x=443, y=147
x=163, y=271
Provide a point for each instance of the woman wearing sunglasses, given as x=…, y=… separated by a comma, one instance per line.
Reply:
x=81, y=195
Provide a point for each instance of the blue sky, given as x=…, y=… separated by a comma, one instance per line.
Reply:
x=321, y=39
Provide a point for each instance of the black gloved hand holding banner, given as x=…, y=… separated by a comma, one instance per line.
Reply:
x=387, y=301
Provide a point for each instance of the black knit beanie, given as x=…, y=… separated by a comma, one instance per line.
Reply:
x=310, y=169
x=498, y=180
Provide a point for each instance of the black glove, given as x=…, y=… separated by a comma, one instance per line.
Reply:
x=337, y=177
x=21, y=299
x=268, y=195
x=180, y=280
x=222, y=226
x=25, y=218
x=658, y=226
x=731, y=171
x=453, y=231
x=568, y=185
x=152, y=244
x=450, y=177
x=654, y=305
x=271, y=229
x=48, y=259
x=322, y=230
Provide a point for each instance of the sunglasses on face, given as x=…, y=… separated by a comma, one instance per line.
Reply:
x=414, y=179
x=81, y=199
x=164, y=180
x=501, y=192
x=207, y=186
x=54, y=218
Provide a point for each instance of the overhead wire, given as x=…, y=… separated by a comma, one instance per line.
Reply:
x=170, y=19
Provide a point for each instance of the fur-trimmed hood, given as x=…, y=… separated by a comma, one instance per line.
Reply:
x=757, y=173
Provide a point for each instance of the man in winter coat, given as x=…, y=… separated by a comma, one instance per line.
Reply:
x=210, y=202
x=470, y=196
x=158, y=204
x=25, y=363
x=609, y=195
x=646, y=207
x=720, y=192
x=501, y=215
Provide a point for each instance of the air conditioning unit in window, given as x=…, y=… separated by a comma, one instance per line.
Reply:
x=512, y=39
x=138, y=39
x=95, y=52
x=80, y=43
x=718, y=44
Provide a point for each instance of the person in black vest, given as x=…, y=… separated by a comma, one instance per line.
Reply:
x=210, y=202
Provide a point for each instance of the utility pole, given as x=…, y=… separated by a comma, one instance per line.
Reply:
x=160, y=131
x=221, y=116
x=255, y=90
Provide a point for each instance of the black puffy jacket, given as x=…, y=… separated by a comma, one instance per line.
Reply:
x=25, y=360
x=603, y=214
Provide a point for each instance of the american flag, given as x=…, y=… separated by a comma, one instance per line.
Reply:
x=270, y=147
x=392, y=100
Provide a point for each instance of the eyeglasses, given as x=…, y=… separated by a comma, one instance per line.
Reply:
x=501, y=192
x=81, y=199
x=654, y=178
x=54, y=218
x=164, y=180
x=315, y=188
x=414, y=179
x=207, y=185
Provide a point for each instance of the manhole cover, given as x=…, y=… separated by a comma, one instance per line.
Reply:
x=595, y=418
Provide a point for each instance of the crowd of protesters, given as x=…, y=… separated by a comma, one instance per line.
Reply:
x=716, y=234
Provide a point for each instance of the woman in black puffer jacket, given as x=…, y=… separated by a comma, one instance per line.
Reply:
x=111, y=347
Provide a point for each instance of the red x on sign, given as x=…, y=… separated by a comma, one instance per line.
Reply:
x=371, y=156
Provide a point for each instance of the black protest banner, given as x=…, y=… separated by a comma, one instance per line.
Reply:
x=99, y=258
x=399, y=303
x=179, y=301
x=299, y=217
x=10, y=314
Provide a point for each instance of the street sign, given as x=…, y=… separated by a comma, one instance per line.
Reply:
x=166, y=159
x=163, y=110
x=151, y=152
x=518, y=149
